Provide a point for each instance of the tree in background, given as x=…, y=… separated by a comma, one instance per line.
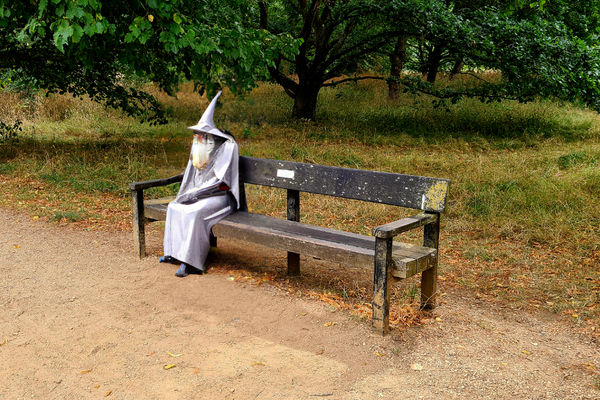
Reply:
x=86, y=47
x=541, y=49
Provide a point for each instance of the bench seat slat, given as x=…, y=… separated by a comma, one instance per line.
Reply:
x=321, y=242
x=319, y=233
x=157, y=209
x=329, y=244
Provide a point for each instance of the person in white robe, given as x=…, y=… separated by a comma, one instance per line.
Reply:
x=209, y=192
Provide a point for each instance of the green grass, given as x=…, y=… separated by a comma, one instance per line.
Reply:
x=524, y=209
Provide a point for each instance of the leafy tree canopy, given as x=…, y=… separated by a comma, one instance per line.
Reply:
x=541, y=48
x=85, y=47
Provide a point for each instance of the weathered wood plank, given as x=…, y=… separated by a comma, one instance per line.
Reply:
x=408, y=259
x=381, y=285
x=293, y=214
x=325, y=234
x=156, y=210
x=431, y=238
x=402, y=225
x=137, y=210
x=324, y=243
x=409, y=191
x=243, y=201
x=155, y=182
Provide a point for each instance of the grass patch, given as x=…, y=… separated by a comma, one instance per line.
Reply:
x=71, y=216
x=523, y=214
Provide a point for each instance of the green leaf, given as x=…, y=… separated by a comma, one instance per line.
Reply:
x=42, y=7
x=77, y=33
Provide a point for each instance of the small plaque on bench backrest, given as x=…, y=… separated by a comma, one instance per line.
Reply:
x=418, y=192
x=285, y=173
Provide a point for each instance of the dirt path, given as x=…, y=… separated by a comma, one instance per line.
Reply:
x=83, y=318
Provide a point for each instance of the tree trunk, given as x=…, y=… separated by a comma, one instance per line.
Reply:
x=433, y=63
x=305, y=100
x=397, y=59
x=457, y=68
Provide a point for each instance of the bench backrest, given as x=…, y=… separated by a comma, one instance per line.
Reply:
x=418, y=192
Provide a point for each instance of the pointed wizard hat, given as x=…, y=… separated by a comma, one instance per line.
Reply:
x=206, y=123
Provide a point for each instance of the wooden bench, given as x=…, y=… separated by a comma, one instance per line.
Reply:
x=391, y=259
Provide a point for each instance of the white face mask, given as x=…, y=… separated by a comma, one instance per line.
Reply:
x=201, y=150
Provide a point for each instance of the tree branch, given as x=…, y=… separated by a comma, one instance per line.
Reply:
x=354, y=79
x=263, y=14
x=289, y=85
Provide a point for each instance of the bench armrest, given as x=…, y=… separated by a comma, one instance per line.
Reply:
x=392, y=229
x=155, y=182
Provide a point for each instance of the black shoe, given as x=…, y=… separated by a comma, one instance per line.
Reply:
x=193, y=271
x=167, y=259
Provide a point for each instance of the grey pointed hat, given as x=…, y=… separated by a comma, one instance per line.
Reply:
x=206, y=123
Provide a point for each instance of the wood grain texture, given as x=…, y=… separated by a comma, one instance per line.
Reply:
x=155, y=182
x=324, y=243
x=293, y=214
x=354, y=250
x=409, y=191
x=402, y=225
x=137, y=210
x=382, y=278
x=431, y=238
x=407, y=259
x=156, y=209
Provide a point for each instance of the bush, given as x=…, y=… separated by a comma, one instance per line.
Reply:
x=9, y=133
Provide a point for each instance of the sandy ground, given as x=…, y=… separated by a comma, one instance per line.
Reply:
x=83, y=318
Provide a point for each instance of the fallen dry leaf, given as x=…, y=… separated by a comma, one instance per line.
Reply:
x=416, y=367
x=174, y=355
x=17, y=246
x=108, y=393
x=527, y=353
x=150, y=354
x=169, y=366
x=85, y=371
x=258, y=364
x=327, y=324
x=96, y=386
x=378, y=354
x=320, y=352
x=196, y=370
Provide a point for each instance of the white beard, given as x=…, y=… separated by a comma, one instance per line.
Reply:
x=202, y=150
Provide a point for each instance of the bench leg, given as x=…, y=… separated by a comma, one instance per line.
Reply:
x=431, y=238
x=139, y=234
x=293, y=214
x=381, y=285
x=213, y=240
x=429, y=287
x=293, y=264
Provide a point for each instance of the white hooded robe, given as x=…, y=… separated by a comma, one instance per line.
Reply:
x=201, y=202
